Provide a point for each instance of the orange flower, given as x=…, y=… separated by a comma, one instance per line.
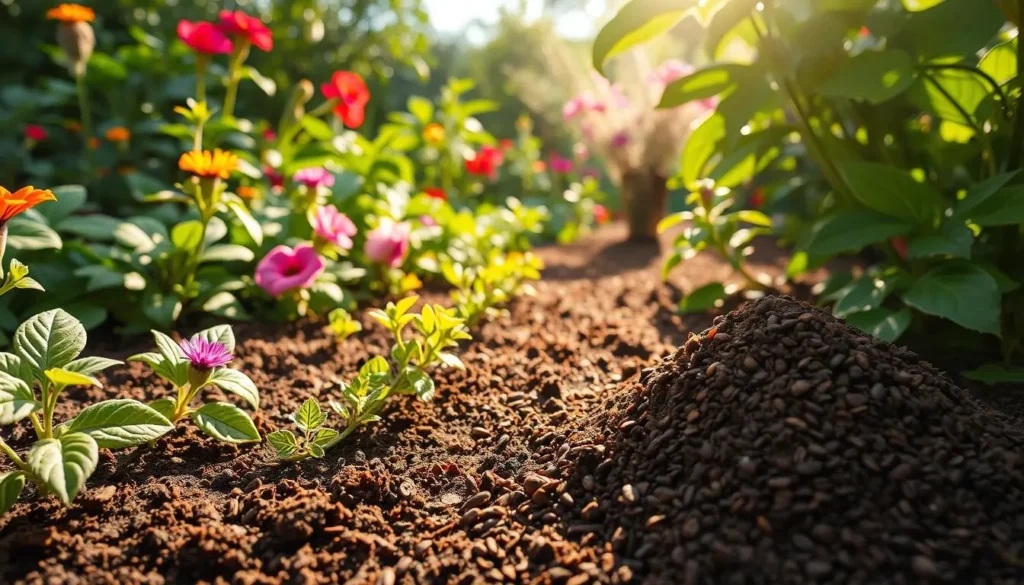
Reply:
x=94, y=143
x=247, y=192
x=433, y=134
x=71, y=13
x=12, y=204
x=203, y=163
x=73, y=126
x=539, y=166
x=118, y=134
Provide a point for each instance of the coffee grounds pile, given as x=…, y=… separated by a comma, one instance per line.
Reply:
x=785, y=447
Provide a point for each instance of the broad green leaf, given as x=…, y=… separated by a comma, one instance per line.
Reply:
x=1004, y=207
x=63, y=465
x=700, y=147
x=225, y=304
x=953, y=28
x=961, y=292
x=238, y=384
x=1001, y=62
x=421, y=384
x=222, y=334
x=376, y=365
x=117, y=424
x=160, y=308
x=310, y=416
x=16, y=399
x=980, y=192
x=705, y=83
x=70, y=198
x=90, y=365
x=872, y=76
x=175, y=371
x=421, y=108
x=316, y=128
x=953, y=240
x=27, y=234
x=729, y=16
x=284, y=443
x=703, y=299
x=755, y=217
x=637, y=22
x=49, y=340
x=228, y=253
x=951, y=94
x=226, y=422
x=168, y=347
x=133, y=237
x=893, y=192
x=13, y=365
x=850, y=232
x=11, y=484
x=252, y=227
x=187, y=235
x=326, y=438
x=882, y=323
x=164, y=406
x=862, y=294
x=61, y=378
x=992, y=373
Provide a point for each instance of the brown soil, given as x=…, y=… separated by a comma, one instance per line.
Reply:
x=480, y=486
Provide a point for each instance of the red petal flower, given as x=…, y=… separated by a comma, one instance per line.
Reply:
x=35, y=132
x=240, y=25
x=757, y=198
x=899, y=243
x=435, y=193
x=352, y=95
x=204, y=37
x=486, y=162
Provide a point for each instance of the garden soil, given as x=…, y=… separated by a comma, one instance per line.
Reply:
x=589, y=441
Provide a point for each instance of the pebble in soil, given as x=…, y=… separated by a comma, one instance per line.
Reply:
x=787, y=447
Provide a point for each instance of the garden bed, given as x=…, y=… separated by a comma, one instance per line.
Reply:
x=488, y=483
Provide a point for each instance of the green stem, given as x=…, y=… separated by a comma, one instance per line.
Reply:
x=86, y=115
x=202, y=62
x=1017, y=134
x=234, y=78
x=6, y=449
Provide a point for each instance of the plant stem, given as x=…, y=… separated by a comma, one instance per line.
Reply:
x=234, y=78
x=6, y=449
x=202, y=62
x=86, y=115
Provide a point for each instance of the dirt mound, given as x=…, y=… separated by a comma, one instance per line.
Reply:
x=785, y=447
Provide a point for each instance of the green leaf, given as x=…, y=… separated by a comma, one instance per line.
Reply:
x=222, y=334
x=228, y=253
x=893, y=192
x=16, y=399
x=703, y=299
x=133, y=237
x=1004, y=207
x=700, y=147
x=266, y=84
x=11, y=484
x=1001, y=62
x=252, y=227
x=637, y=22
x=61, y=378
x=872, y=76
x=421, y=384
x=882, y=323
x=755, y=217
x=174, y=371
x=728, y=17
x=165, y=406
x=310, y=416
x=49, y=340
x=27, y=234
x=951, y=94
x=953, y=240
x=284, y=443
x=116, y=424
x=225, y=304
x=421, y=108
x=63, y=465
x=70, y=198
x=316, y=128
x=980, y=192
x=954, y=28
x=850, y=232
x=168, y=347
x=160, y=308
x=862, y=294
x=990, y=373
x=702, y=84
x=226, y=422
x=187, y=235
x=238, y=384
x=451, y=360
x=961, y=292
x=14, y=366
x=325, y=438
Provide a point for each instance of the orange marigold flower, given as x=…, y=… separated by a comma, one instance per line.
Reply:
x=203, y=163
x=434, y=134
x=71, y=13
x=118, y=134
x=12, y=204
x=247, y=192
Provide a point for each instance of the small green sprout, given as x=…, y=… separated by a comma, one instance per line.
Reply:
x=343, y=325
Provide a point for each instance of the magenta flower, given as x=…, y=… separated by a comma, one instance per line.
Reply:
x=204, y=37
x=620, y=139
x=559, y=165
x=334, y=227
x=389, y=243
x=314, y=177
x=284, y=269
x=205, y=355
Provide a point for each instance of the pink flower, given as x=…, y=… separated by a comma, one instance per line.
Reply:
x=559, y=165
x=335, y=227
x=428, y=221
x=670, y=71
x=244, y=27
x=620, y=139
x=389, y=243
x=582, y=103
x=284, y=269
x=204, y=37
x=204, y=355
x=314, y=177
x=35, y=132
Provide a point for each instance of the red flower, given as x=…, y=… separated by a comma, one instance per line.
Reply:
x=269, y=135
x=204, y=37
x=757, y=198
x=601, y=214
x=863, y=32
x=35, y=132
x=276, y=179
x=435, y=193
x=352, y=95
x=486, y=162
x=506, y=144
x=244, y=27
x=899, y=243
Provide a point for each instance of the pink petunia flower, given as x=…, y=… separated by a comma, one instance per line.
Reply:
x=389, y=243
x=334, y=227
x=284, y=269
x=204, y=37
x=314, y=177
x=559, y=165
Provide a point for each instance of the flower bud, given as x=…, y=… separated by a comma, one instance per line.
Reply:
x=78, y=41
x=198, y=377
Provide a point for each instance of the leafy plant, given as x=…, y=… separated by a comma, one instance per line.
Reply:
x=342, y=324
x=32, y=380
x=192, y=365
x=314, y=440
x=479, y=291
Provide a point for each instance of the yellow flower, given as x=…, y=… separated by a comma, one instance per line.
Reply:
x=203, y=163
x=12, y=204
x=434, y=134
x=118, y=134
x=71, y=13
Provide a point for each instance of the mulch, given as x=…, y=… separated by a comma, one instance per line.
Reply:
x=569, y=452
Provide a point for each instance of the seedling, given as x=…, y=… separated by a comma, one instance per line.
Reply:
x=315, y=438
x=343, y=325
x=479, y=291
x=193, y=364
x=32, y=379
